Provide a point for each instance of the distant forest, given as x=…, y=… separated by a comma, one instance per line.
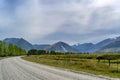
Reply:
x=10, y=50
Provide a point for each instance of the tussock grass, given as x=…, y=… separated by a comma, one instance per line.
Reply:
x=79, y=62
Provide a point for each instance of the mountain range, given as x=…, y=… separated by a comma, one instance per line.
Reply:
x=107, y=45
x=90, y=47
x=24, y=44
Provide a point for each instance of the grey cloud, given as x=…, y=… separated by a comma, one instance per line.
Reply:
x=53, y=20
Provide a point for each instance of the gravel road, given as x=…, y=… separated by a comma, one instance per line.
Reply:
x=17, y=69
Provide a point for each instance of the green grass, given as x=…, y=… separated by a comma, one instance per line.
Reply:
x=83, y=62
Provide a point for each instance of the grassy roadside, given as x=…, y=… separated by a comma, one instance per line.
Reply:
x=2, y=58
x=6, y=57
x=78, y=63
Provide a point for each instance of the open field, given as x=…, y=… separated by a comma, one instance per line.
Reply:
x=82, y=62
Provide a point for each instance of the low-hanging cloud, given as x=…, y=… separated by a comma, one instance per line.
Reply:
x=45, y=21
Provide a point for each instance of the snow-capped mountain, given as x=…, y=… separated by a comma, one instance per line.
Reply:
x=107, y=45
x=61, y=47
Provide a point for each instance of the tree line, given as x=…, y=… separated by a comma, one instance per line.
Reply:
x=44, y=52
x=10, y=50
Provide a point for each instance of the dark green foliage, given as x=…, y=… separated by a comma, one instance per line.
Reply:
x=32, y=52
x=39, y=52
x=43, y=52
x=10, y=50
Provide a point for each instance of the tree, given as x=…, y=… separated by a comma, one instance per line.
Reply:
x=0, y=48
x=32, y=52
x=52, y=52
x=41, y=52
x=11, y=49
x=99, y=58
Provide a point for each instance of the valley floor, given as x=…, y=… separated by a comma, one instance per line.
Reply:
x=17, y=69
x=78, y=63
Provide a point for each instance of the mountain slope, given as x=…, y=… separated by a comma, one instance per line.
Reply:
x=90, y=47
x=19, y=42
x=40, y=47
x=114, y=46
x=104, y=43
x=86, y=47
x=61, y=47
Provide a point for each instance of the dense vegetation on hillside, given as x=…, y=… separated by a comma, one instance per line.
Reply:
x=10, y=50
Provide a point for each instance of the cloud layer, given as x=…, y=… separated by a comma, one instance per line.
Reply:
x=72, y=21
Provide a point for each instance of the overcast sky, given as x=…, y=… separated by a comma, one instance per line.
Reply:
x=49, y=21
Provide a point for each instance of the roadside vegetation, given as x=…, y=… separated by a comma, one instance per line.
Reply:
x=10, y=50
x=2, y=58
x=100, y=64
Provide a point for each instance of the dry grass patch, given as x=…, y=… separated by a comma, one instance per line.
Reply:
x=76, y=62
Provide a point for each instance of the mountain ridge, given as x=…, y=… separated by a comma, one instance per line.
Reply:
x=20, y=42
x=107, y=45
x=90, y=47
x=114, y=46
